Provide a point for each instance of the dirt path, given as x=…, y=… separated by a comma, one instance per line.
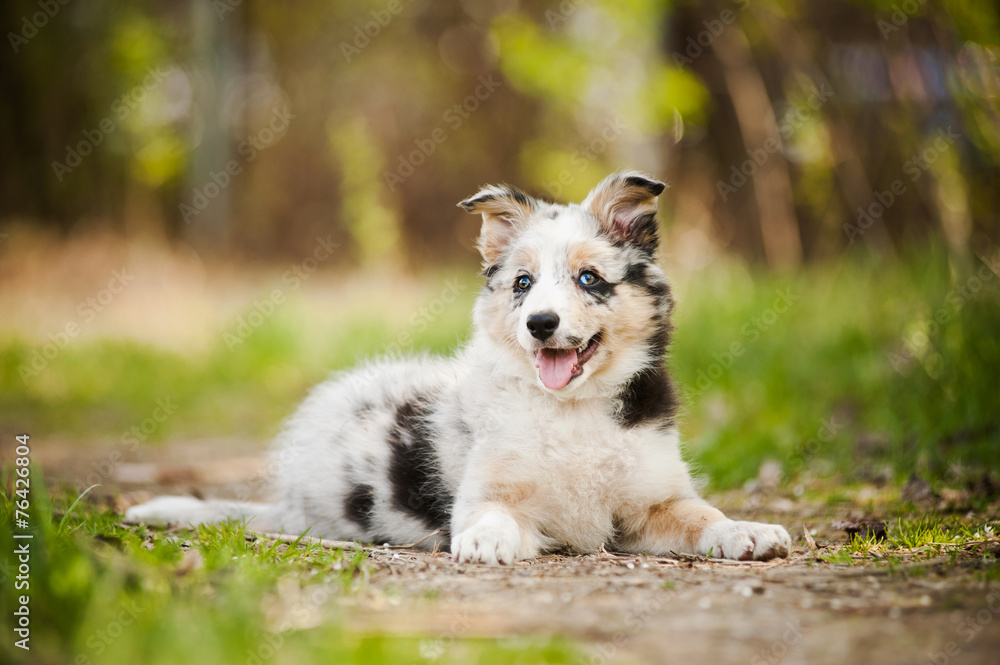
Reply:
x=647, y=609
x=926, y=610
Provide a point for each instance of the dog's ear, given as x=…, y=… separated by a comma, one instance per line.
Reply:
x=625, y=205
x=505, y=212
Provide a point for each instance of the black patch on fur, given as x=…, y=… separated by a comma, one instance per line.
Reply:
x=649, y=398
x=417, y=485
x=638, y=275
x=660, y=340
x=503, y=191
x=520, y=197
x=600, y=292
x=359, y=506
x=645, y=233
x=654, y=187
x=489, y=272
x=618, y=534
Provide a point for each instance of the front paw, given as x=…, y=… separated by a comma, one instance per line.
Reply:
x=729, y=539
x=494, y=539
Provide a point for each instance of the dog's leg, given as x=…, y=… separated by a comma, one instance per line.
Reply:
x=693, y=526
x=490, y=523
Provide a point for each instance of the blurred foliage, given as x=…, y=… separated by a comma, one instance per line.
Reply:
x=867, y=369
x=101, y=592
x=834, y=135
x=396, y=110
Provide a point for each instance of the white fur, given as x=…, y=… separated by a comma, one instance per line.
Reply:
x=493, y=538
x=729, y=539
x=475, y=444
x=189, y=511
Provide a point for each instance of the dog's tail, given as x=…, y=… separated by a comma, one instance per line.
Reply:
x=188, y=511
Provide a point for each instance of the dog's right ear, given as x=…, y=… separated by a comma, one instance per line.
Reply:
x=505, y=212
x=625, y=205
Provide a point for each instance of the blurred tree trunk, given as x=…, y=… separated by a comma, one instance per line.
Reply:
x=772, y=186
x=855, y=185
x=215, y=62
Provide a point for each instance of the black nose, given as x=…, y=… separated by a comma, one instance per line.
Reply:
x=543, y=325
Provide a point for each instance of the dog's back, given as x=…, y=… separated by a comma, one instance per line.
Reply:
x=554, y=427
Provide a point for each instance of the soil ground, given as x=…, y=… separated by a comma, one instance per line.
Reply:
x=920, y=607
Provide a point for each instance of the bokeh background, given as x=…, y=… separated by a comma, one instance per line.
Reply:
x=205, y=206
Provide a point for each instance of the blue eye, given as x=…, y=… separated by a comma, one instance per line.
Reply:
x=588, y=278
x=523, y=283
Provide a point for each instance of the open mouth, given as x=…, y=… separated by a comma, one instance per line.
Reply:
x=557, y=367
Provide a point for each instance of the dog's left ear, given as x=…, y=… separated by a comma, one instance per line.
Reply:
x=625, y=205
x=505, y=212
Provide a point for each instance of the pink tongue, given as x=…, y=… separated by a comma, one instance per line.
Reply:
x=556, y=366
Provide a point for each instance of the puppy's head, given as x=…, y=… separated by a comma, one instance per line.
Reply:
x=573, y=294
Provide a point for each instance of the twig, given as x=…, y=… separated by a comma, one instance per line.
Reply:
x=337, y=544
x=810, y=543
x=412, y=545
x=322, y=542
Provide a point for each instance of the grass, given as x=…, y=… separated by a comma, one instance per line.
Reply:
x=847, y=382
x=844, y=383
x=840, y=371
x=101, y=592
x=920, y=535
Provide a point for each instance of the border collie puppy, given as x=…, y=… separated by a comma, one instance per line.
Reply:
x=553, y=429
